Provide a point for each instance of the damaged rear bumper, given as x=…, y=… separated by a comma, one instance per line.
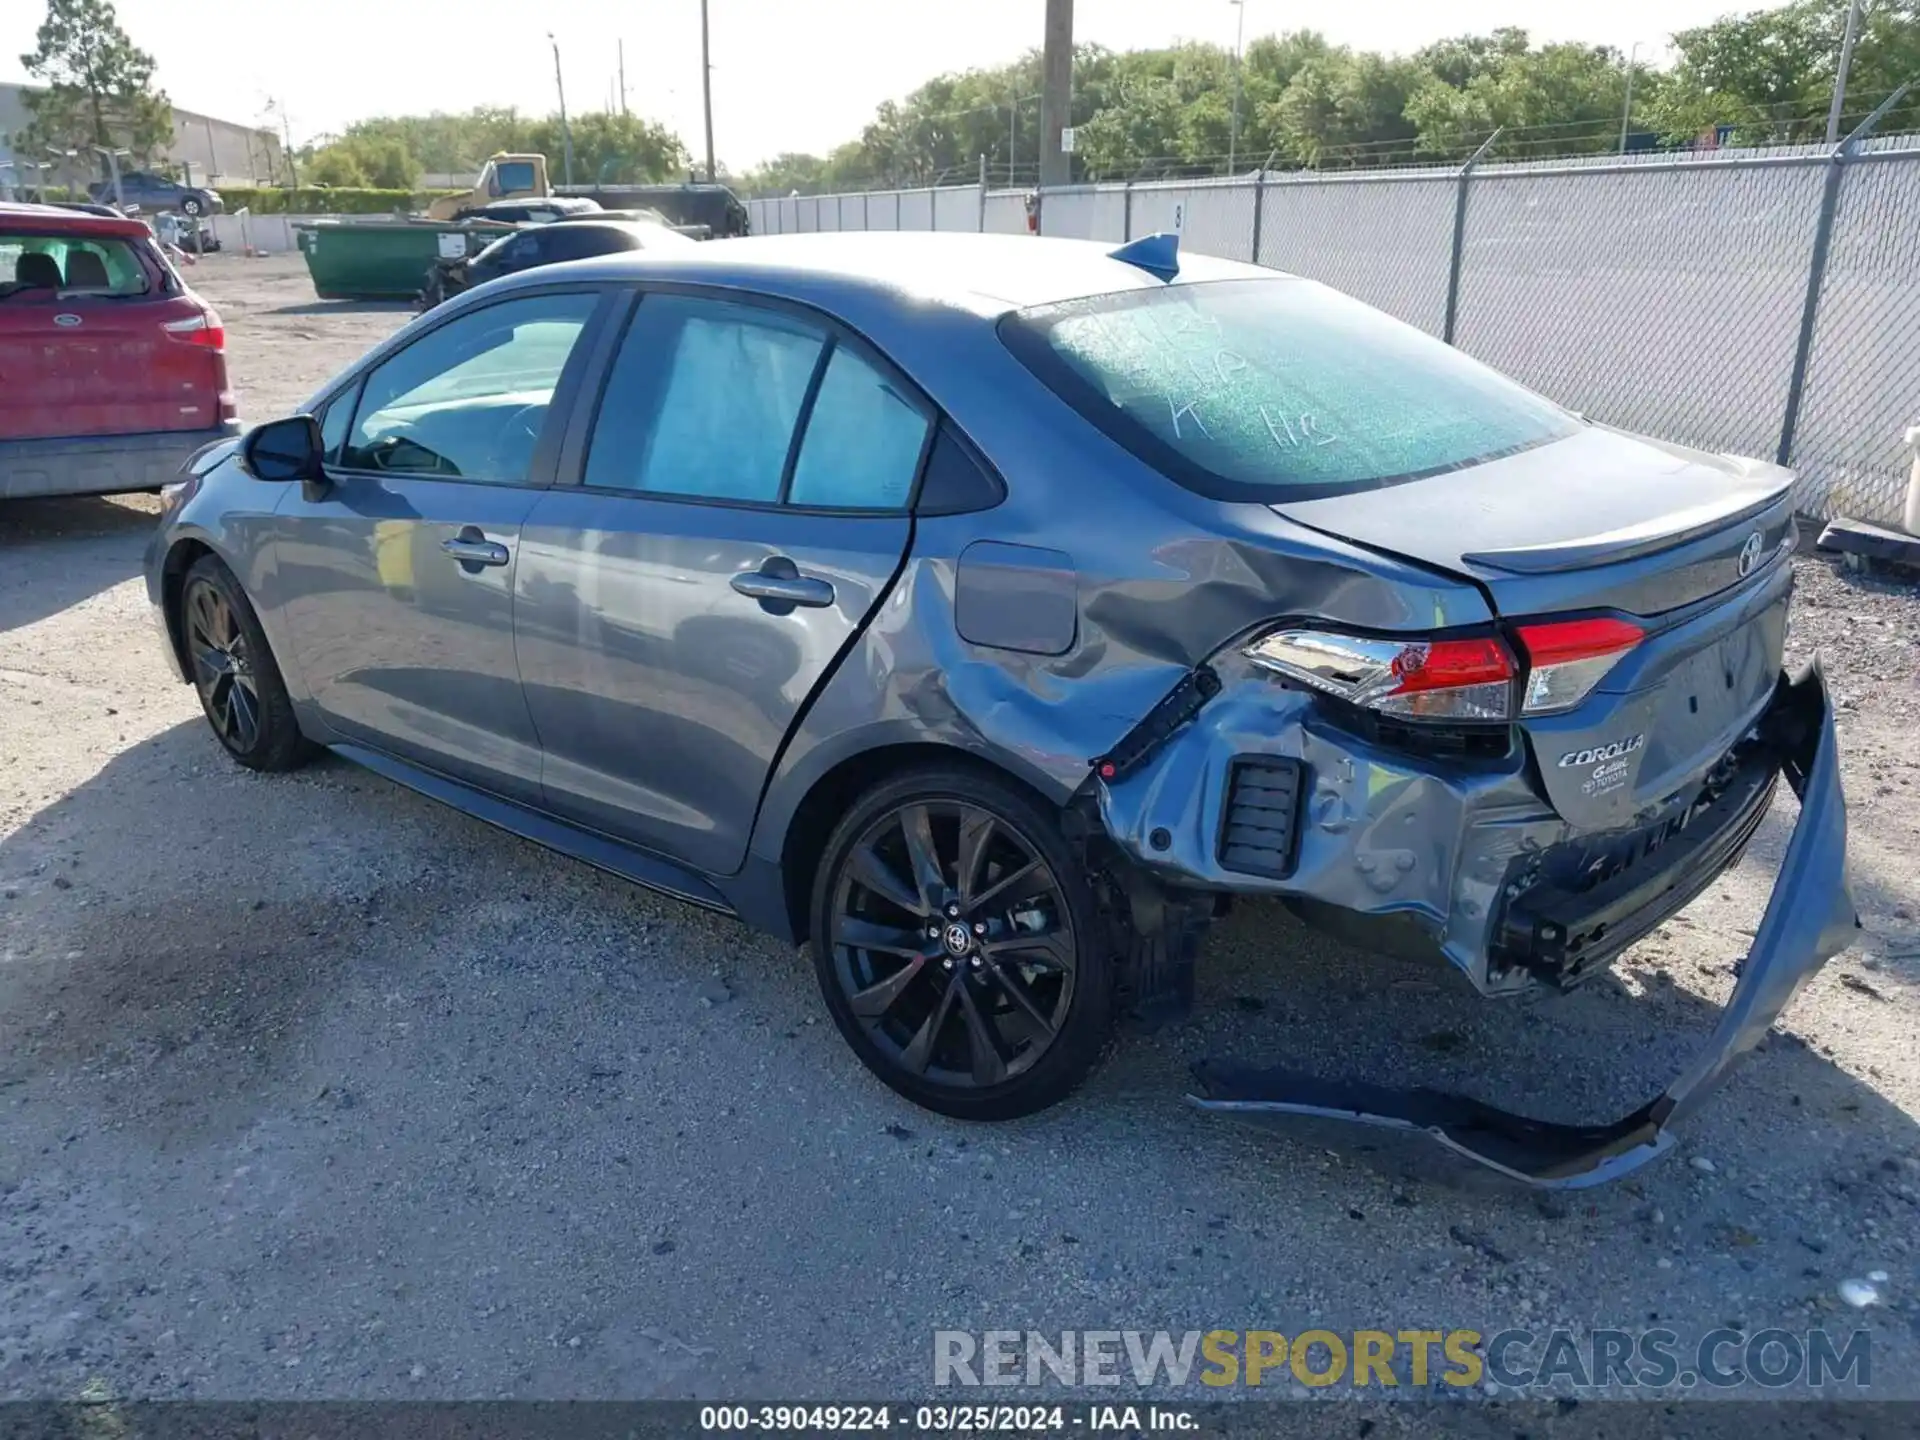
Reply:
x=1809, y=919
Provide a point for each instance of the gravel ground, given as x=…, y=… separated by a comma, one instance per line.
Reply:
x=311, y=1088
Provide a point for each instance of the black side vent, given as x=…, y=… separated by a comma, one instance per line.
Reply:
x=1260, y=829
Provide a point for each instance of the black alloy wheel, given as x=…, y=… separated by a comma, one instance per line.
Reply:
x=234, y=671
x=952, y=934
x=222, y=667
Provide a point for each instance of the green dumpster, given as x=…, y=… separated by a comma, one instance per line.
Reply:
x=383, y=260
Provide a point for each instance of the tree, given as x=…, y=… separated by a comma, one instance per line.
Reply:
x=381, y=161
x=393, y=150
x=335, y=165
x=1166, y=112
x=96, y=85
x=1770, y=74
x=1557, y=100
x=610, y=149
x=1345, y=109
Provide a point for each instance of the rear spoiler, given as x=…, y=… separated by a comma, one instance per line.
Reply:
x=1664, y=532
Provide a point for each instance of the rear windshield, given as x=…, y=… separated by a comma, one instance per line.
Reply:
x=1276, y=389
x=69, y=264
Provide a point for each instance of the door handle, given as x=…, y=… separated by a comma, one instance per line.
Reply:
x=779, y=586
x=470, y=547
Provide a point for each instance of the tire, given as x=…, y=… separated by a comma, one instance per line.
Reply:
x=190, y=206
x=990, y=999
x=234, y=672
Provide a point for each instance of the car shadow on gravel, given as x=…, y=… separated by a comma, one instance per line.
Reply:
x=343, y=307
x=227, y=967
x=98, y=542
x=374, y=1037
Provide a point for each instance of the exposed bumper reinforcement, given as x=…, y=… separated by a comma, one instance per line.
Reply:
x=1809, y=919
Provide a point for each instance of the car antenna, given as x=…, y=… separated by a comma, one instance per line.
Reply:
x=1157, y=254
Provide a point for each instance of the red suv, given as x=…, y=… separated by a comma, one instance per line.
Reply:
x=112, y=372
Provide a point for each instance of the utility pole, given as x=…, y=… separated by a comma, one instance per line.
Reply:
x=706, y=87
x=623, y=76
x=286, y=131
x=566, y=134
x=1056, y=92
x=1840, y=75
x=1239, y=37
x=1626, y=110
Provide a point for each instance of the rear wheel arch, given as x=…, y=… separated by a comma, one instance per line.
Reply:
x=834, y=792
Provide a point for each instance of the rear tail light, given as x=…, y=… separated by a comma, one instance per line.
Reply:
x=1567, y=658
x=1453, y=678
x=1450, y=679
x=204, y=329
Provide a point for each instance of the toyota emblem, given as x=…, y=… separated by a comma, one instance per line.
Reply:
x=1750, y=554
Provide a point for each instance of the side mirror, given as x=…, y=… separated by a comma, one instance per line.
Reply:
x=289, y=449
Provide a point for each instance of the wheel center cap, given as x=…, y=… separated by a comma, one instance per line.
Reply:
x=957, y=938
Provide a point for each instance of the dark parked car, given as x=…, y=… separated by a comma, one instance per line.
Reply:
x=988, y=610
x=156, y=192
x=112, y=371
x=714, y=206
x=581, y=238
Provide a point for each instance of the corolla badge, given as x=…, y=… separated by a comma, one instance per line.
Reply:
x=1602, y=752
x=66, y=318
x=1750, y=554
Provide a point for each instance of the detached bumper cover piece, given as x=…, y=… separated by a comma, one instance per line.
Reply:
x=1809, y=919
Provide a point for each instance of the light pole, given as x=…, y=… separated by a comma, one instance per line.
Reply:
x=1233, y=130
x=1626, y=110
x=566, y=134
x=1840, y=75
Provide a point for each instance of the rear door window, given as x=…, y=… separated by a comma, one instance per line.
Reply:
x=863, y=440
x=703, y=399
x=580, y=242
x=714, y=400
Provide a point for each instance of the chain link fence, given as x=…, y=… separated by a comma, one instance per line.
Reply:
x=1765, y=303
x=1385, y=241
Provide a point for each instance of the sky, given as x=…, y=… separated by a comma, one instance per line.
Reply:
x=787, y=74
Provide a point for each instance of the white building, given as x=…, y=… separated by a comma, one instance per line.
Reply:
x=219, y=151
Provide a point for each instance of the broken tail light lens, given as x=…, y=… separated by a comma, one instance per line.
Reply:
x=1449, y=680
x=204, y=329
x=1567, y=658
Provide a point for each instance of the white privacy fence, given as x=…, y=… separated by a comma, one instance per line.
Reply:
x=1766, y=303
x=950, y=208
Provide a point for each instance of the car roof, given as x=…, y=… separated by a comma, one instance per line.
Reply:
x=983, y=274
x=573, y=204
x=591, y=215
x=646, y=229
x=53, y=220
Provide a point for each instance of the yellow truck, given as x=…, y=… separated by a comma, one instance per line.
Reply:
x=503, y=177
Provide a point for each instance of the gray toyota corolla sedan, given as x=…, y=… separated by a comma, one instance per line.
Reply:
x=989, y=611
